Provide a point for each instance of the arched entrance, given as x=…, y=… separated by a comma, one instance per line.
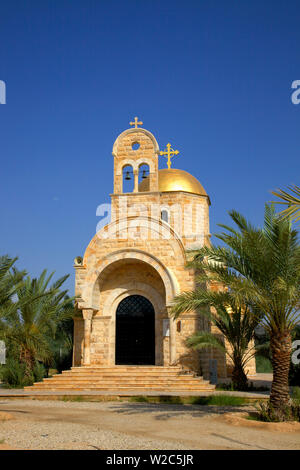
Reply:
x=135, y=331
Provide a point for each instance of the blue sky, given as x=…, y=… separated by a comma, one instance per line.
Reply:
x=212, y=77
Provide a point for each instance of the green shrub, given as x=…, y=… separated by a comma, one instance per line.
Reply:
x=267, y=413
x=13, y=374
x=39, y=372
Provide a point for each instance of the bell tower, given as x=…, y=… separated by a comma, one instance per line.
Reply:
x=135, y=149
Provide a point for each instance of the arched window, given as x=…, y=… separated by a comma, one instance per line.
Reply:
x=164, y=215
x=128, y=179
x=143, y=171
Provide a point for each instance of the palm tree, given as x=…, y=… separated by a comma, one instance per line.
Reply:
x=235, y=323
x=10, y=280
x=291, y=200
x=33, y=326
x=261, y=267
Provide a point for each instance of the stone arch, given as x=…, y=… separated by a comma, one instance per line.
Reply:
x=127, y=187
x=146, y=161
x=110, y=309
x=170, y=284
x=135, y=131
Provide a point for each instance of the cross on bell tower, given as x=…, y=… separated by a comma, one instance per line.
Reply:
x=136, y=123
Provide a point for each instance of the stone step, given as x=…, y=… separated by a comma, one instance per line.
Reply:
x=190, y=390
x=116, y=370
x=138, y=391
x=124, y=378
x=128, y=366
x=126, y=374
x=121, y=371
x=125, y=385
x=134, y=381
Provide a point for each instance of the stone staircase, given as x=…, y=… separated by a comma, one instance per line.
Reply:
x=122, y=379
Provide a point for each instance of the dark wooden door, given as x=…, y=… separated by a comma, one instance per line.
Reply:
x=135, y=331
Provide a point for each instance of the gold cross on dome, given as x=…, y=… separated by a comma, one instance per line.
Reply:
x=136, y=122
x=169, y=153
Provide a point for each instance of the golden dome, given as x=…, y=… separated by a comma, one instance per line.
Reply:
x=175, y=180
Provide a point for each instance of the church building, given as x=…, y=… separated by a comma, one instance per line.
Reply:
x=135, y=265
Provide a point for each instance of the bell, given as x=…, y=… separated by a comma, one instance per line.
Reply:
x=144, y=175
x=127, y=177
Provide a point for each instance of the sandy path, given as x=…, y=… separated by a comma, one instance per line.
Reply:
x=123, y=425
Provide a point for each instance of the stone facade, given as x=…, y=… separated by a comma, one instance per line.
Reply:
x=138, y=253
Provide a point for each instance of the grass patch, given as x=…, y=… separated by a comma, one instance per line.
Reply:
x=140, y=399
x=77, y=398
x=2, y=441
x=252, y=417
x=214, y=400
x=219, y=400
x=169, y=400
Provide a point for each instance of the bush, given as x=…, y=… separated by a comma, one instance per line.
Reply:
x=39, y=372
x=13, y=374
x=267, y=413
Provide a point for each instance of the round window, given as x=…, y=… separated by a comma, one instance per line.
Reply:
x=135, y=146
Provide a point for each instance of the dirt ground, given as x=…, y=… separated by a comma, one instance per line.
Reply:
x=37, y=424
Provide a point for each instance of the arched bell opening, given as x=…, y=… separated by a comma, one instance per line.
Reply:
x=144, y=172
x=127, y=179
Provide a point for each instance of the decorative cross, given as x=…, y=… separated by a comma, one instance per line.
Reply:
x=169, y=153
x=136, y=122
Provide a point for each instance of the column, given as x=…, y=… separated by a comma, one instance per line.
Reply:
x=87, y=317
x=172, y=338
x=136, y=181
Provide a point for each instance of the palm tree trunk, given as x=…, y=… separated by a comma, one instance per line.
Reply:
x=28, y=359
x=281, y=347
x=239, y=378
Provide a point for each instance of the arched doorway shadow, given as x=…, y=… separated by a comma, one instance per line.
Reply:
x=135, y=331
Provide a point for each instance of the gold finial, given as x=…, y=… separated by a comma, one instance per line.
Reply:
x=169, y=153
x=136, y=122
